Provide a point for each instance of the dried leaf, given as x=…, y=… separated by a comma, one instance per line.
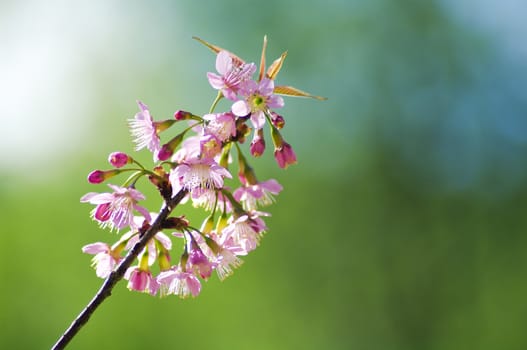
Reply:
x=292, y=91
x=275, y=67
x=236, y=60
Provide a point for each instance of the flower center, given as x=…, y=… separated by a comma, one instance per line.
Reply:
x=258, y=103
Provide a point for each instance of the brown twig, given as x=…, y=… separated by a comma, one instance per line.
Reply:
x=106, y=289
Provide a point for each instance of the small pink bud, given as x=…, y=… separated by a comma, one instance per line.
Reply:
x=96, y=177
x=165, y=152
x=182, y=115
x=119, y=159
x=168, y=148
x=285, y=155
x=257, y=147
x=277, y=120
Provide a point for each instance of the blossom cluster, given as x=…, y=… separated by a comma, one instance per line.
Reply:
x=195, y=164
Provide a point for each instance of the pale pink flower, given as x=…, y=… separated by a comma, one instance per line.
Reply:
x=210, y=146
x=231, y=75
x=143, y=128
x=141, y=280
x=115, y=210
x=104, y=260
x=221, y=125
x=196, y=175
x=199, y=262
x=178, y=282
x=225, y=257
x=190, y=149
x=260, y=194
x=259, y=98
x=244, y=232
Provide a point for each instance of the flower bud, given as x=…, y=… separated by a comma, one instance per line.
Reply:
x=257, y=147
x=285, y=155
x=168, y=148
x=119, y=159
x=99, y=176
x=182, y=115
x=277, y=120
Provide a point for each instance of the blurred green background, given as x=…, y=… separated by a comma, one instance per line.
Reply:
x=403, y=225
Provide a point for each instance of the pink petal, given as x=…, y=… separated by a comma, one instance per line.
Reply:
x=258, y=119
x=240, y=108
x=272, y=186
x=215, y=81
x=95, y=248
x=266, y=87
x=275, y=101
x=223, y=62
x=164, y=240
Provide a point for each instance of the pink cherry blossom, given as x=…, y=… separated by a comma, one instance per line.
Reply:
x=260, y=194
x=244, y=232
x=259, y=98
x=178, y=282
x=199, y=261
x=210, y=146
x=221, y=125
x=226, y=262
x=144, y=130
x=115, y=210
x=231, y=75
x=104, y=261
x=141, y=280
x=190, y=149
x=196, y=175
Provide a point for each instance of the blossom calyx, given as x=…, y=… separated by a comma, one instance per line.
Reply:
x=175, y=223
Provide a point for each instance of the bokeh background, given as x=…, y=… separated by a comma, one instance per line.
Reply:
x=403, y=226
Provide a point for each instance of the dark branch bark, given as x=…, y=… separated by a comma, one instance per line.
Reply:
x=106, y=289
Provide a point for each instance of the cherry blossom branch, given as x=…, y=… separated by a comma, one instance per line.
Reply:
x=106, y=289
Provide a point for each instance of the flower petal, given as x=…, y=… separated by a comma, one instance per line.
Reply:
x=223, y=62
x=215, y=81
x=241, y=108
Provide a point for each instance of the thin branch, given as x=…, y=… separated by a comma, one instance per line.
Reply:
x=106, y=289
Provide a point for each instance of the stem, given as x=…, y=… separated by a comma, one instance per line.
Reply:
x=218, y=98
x=106, y=289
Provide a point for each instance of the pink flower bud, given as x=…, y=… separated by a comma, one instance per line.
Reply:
x=285, y=155
x=118, y=159
x=277, y=120
x=165, y=152
x=182, y=115
x=257, y=147
x=96, y=177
